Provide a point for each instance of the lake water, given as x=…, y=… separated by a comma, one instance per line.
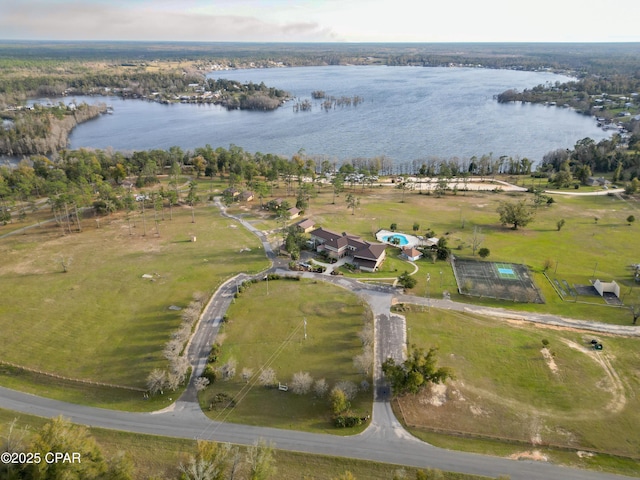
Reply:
x=408, y=113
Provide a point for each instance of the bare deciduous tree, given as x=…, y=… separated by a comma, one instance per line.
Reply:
x=267, y=377
x=65, y=263
x=14, y=439
x=366, y=335
x=364, y=361
x=156, y=381
x=228, y=370
x=201, y=383
x=476, y=239
x=179, y=367
x=211, y=462
x=301, y=383
x=349, y=388
x=320, y=388
x=260, y=461
x=173, y=381
x=246, y=374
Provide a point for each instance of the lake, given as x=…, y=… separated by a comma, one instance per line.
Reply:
x=408, y=113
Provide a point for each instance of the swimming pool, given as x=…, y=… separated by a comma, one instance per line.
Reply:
x=396, y=239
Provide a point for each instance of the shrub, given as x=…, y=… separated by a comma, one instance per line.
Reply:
x=210, y=373
x=347, y=421
x=339, y=402
x=213, y=354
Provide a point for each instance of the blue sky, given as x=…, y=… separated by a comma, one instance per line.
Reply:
x=321, y=20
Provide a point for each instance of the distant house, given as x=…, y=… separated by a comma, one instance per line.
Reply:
x=600, y=181
x=366, y=255
x=274, y=204
x=246, y=196
x=293, y=212
x=232, y=192
x=305, y=225
x=411, y=254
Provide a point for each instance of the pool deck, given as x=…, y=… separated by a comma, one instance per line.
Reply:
x=412, y=240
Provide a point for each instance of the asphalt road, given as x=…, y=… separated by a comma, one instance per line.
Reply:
x=389, y=444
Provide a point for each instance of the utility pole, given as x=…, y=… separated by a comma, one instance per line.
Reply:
x=428, y=293
x=305, y=328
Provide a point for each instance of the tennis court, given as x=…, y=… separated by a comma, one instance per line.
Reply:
x=504, y=281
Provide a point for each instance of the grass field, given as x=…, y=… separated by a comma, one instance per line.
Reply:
x=581, y=246
x=506, y=387
x=268, y=331
x=102, y=320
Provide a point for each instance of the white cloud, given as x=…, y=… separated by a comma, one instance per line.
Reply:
x=99, y=21
x=318, y=20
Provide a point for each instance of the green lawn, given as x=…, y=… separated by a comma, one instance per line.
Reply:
x=603, y=246
x=268, y=331
x=102, y=321
x=590, y=401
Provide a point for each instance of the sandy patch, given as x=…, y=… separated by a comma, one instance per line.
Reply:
x=478, y=411
x=529, y=455
x=550, y=361
x=582, y=454
x=438, y=395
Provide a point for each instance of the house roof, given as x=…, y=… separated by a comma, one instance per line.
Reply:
x=293, y=210
x=372, y=251
x=411, y=252
x=362, y=248
x=306, y=223
x=325, y=234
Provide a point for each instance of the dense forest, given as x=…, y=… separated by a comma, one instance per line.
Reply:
x=103, y=180
x=42, y=130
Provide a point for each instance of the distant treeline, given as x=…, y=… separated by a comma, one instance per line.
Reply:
x=591, y=95
x=43, y=130
x=156, y=86
x=79, y=178
x=583, y=58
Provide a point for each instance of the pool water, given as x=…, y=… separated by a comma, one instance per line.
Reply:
x=396, y=239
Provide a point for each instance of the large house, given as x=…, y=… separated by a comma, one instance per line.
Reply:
x=367, y=256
